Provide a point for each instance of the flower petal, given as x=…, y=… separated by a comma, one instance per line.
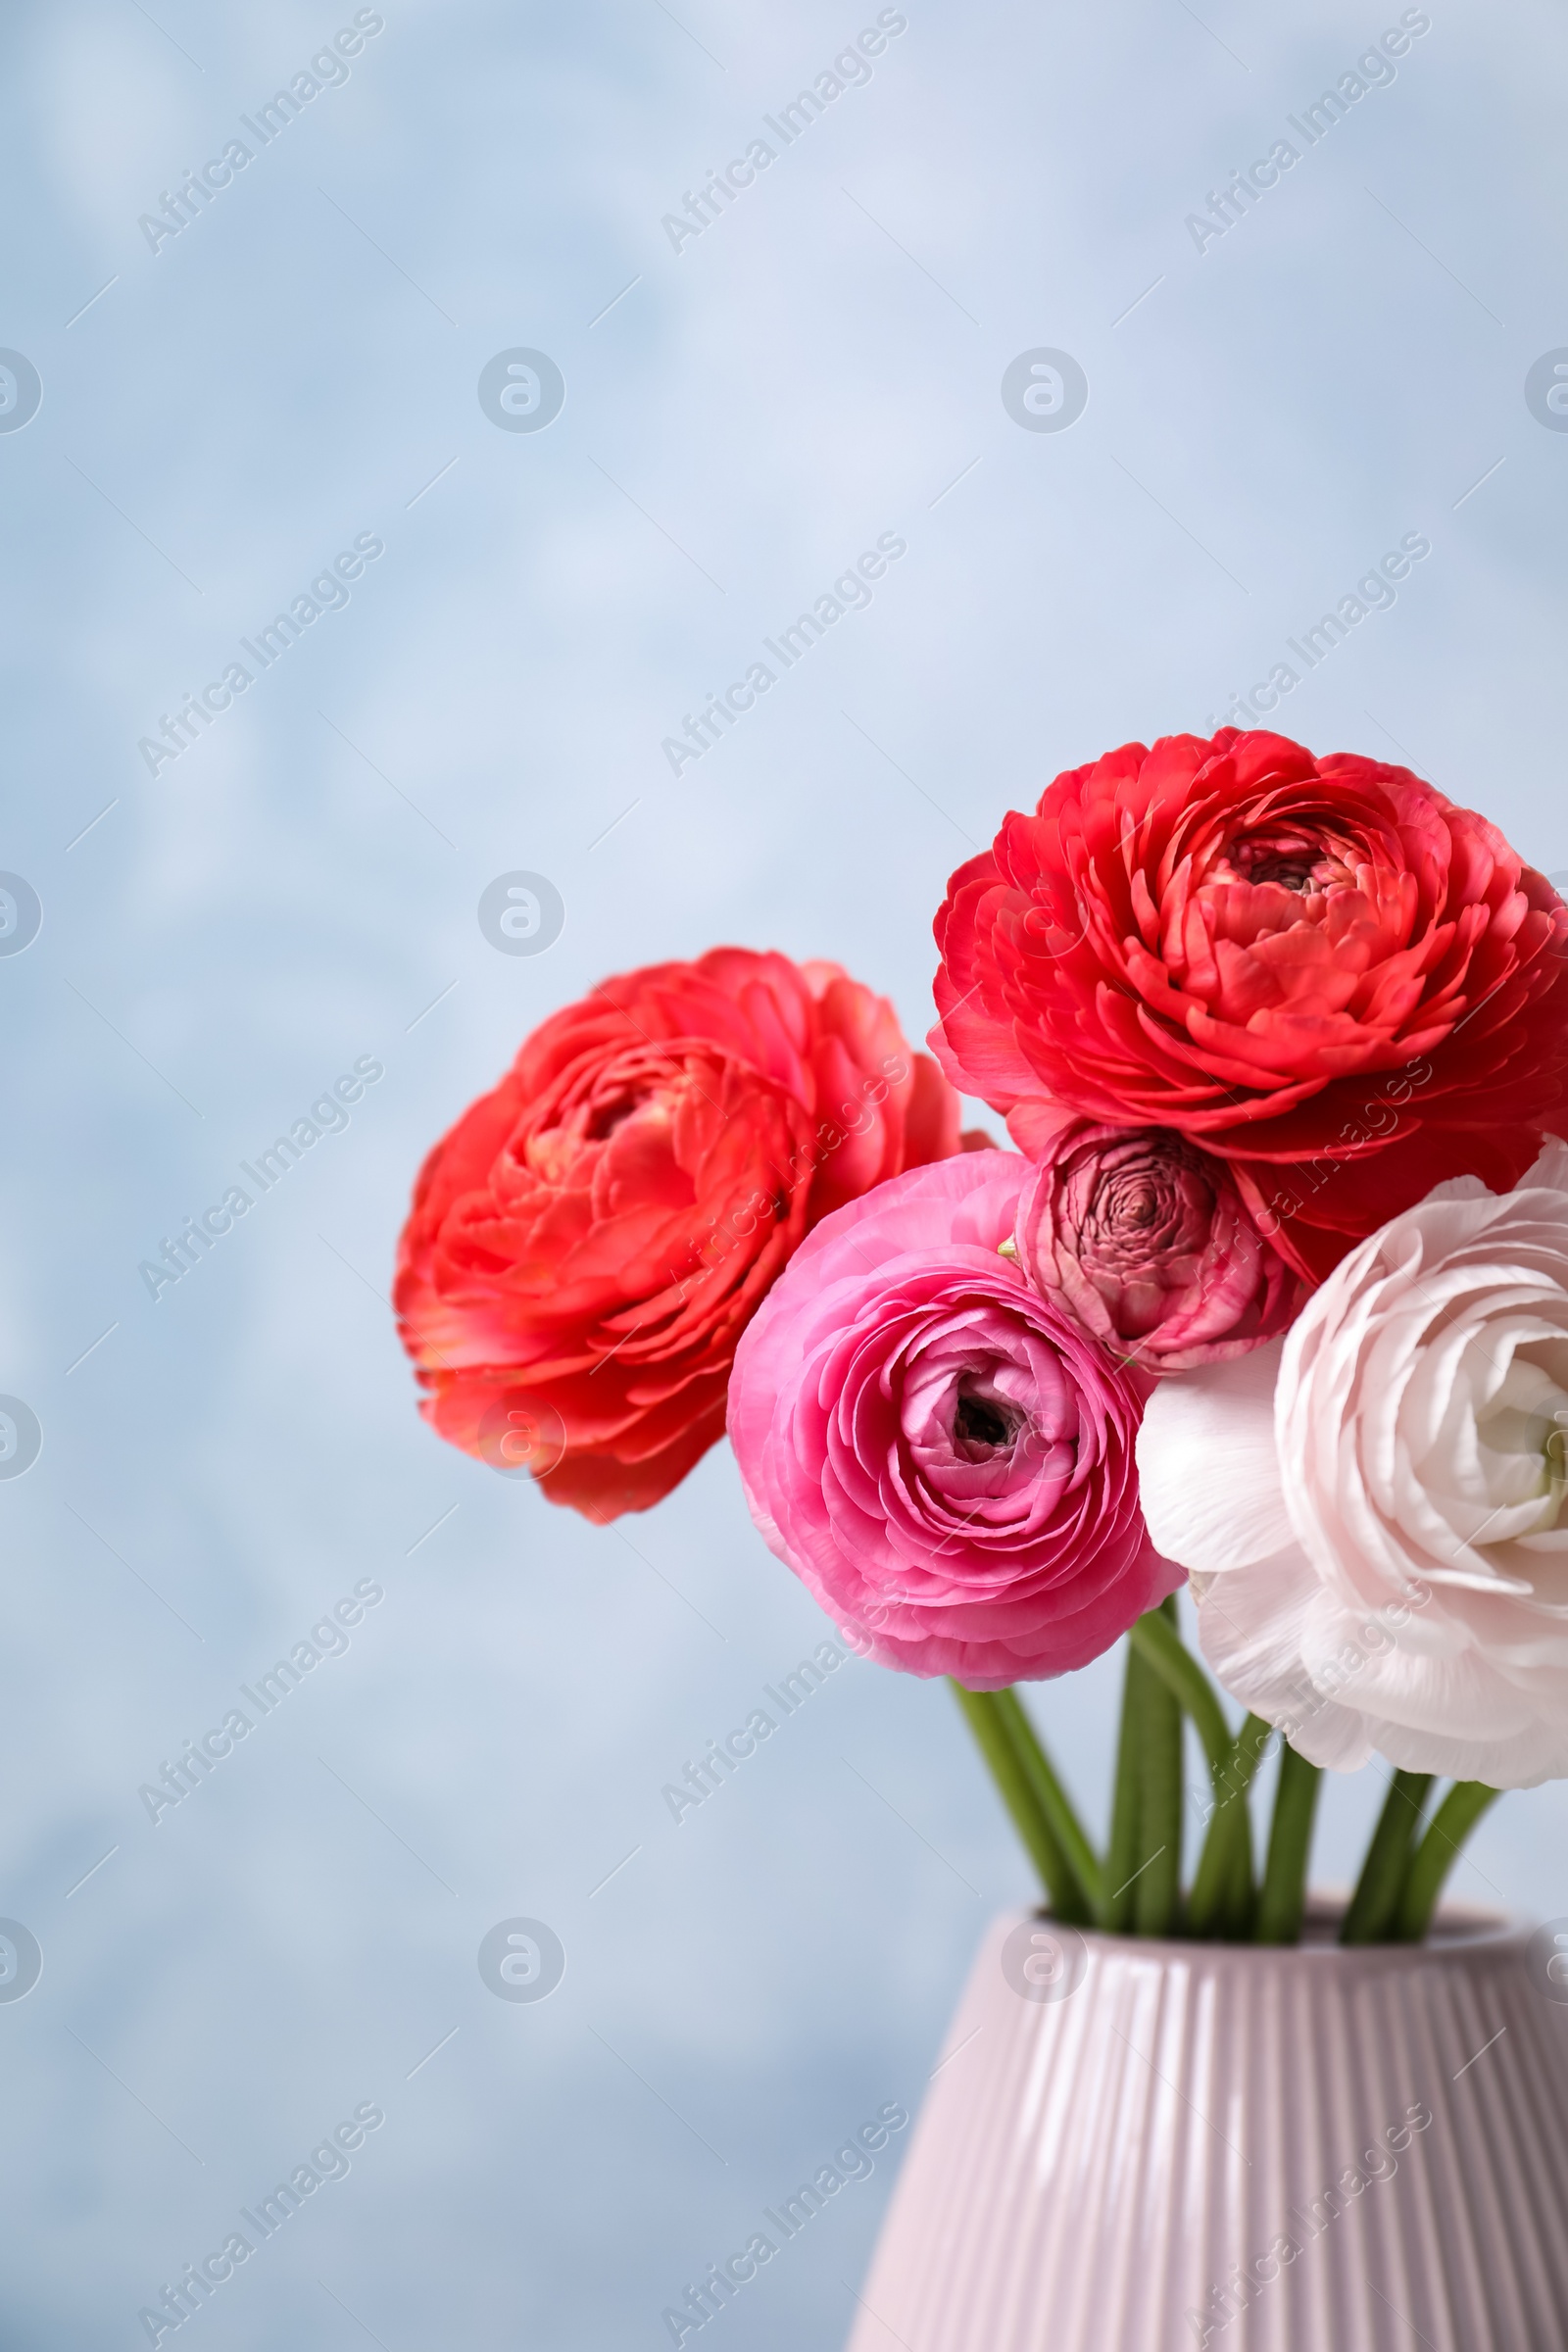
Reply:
x=1208, y=1466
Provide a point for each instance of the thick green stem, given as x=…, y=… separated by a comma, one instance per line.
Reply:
x=1052, y=1797
x=1222, y=1899
x=1379, y=1890
x=1157, y=1888
x=1282, y=1905
x=1436, y=1855
x=993, y=1737
x=1213, y=1892
x=1240, y=1911
x=1222, y=1896
x=1160, y=1645
x=1122, y=1856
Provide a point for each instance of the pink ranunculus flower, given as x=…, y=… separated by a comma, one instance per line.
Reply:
x=945, y=1457
x=1375, y=1511
x=1146, y=1239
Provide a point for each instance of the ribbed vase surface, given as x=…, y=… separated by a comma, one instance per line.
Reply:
x=1131, y=2147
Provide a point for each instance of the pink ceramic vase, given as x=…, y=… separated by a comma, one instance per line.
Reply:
x=1131, y=2147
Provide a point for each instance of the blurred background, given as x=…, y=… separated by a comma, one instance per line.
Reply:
x=205, y=399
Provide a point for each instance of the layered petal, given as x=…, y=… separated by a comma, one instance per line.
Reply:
x=945, y=1457
x=1222, y=1416
x=1148, y=1241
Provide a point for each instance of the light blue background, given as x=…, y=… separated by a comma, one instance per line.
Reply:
x=822, y=364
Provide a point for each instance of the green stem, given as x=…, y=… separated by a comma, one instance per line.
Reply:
x=1052, y=1797
x=1375, y=1904
x=1240, y=1911
x=1282, y=1905
x=1122, y=1855
x=1156, y=1639
x=1157, y=1888
x=994, y=1738
x=1213, y=1892
x=1437, y=1853
x=1222, y=1896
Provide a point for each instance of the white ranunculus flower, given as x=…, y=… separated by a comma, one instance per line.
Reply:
x=1372, y=1509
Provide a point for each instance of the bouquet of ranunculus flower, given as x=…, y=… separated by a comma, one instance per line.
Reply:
x=1271, y=1298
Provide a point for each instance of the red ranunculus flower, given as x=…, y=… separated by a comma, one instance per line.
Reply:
x=588, y=1242
x=1320, y=969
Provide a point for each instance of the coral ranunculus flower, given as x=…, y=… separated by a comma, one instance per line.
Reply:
x=588, y=1242
x=1308, y=966
x=945, y=1457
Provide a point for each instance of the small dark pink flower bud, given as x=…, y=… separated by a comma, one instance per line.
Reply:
x=1147, y=1239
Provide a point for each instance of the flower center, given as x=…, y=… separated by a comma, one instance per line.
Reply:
x=608, y=1116
x=1132, y=1204
x=983, y=1421
x=1288, y=860
x=1522, y=1434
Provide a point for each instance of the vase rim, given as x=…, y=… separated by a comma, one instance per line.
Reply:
x=1460, y=1930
